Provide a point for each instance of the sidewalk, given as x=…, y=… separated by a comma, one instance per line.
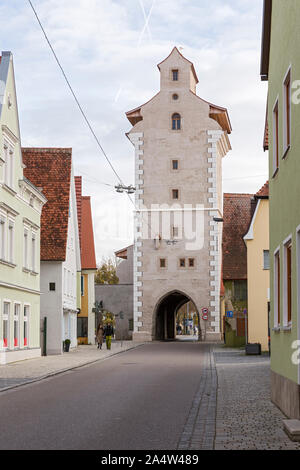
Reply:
x=33, y=370
x=246, y=418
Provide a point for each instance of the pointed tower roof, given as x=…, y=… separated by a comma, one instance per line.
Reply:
x=174, y=50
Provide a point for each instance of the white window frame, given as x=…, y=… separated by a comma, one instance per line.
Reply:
x=18, y=319
x=285, y=145
x=9, y=154
x=26, y=319
x=264, y=260
x=26, y=247
x=286, y=242
x=275, y=144
x=276, y=306
x=3, y=220
x=6, y=317
x=33, y=251
x=10, y=241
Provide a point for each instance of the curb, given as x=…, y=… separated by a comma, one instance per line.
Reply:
x=63, y=371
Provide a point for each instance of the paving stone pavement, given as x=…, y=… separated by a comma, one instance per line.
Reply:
x=199, y=430
x=32, y=370
x=246, y=418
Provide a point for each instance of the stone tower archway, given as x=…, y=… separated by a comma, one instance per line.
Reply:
x=164, y=317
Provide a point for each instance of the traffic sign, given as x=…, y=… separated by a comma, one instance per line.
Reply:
x=229, y=314
x=205, y=311
x=205, y=317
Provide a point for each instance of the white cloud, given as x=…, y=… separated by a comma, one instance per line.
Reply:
x=97, y=42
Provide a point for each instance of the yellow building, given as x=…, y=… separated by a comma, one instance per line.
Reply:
x=86, y=327
x=257, y=241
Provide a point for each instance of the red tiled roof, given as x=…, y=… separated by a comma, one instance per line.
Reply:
x=88, y=257
x=263, y=193
x=237, y=214
x=50, y=170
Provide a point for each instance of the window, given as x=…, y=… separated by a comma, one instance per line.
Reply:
x=25, y=248
x=2, y=238
x=175, y=97
x=287, y=110
x=277, y=315
x=130, y=324
x=52, y=287
x=175, y=75
x=176, y=122
x=182, y=263
x=191, y=262
x=26, y=325
x=17, y=325
x=175, y=193
x=175, y=232
x=11, y=242
x=275, y=137
x=82, y=327
x=5, y=325
x=8, y=168
x=82, y=286
x=266, y=259
x=175, y=164
x=33, y=252
x=163, y=263
x=288, y=283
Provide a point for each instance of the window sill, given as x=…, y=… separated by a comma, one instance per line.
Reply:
x=287, y=329
x=286, y=152
x=276, y=329
x=9, y=189
x=275, y=173
x=26, y=270
x=7, y=263
x=33, y=273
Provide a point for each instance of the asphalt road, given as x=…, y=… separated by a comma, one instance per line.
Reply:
x=138, y=400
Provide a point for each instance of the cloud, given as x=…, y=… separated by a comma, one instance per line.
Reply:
x=98, y=45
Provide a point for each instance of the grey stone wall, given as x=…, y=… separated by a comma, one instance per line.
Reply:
x=118, y=298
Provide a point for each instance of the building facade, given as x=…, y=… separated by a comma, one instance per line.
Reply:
x=179, y=141
x=51, y=169
x=258, y=271
x=86, y=327
x=237, y=212
x=21, y=205
x=280, y=65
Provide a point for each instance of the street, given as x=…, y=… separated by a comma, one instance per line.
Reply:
x=136, y=400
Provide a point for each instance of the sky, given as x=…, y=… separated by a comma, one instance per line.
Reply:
x=109, y=50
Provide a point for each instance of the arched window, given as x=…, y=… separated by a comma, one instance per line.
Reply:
x=176, y=122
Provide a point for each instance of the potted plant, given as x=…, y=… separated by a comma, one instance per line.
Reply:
x=67, y=345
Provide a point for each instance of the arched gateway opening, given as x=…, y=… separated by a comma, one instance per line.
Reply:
x=165, y=315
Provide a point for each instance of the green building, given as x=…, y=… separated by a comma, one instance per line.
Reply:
x=280, y=65
x=21, y=205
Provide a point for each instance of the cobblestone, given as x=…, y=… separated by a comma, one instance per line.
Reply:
x=246, y=417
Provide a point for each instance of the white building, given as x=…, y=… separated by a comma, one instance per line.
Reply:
x=51, y=169
x=180, y=140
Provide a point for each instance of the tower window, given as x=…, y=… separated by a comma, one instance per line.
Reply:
x=176, y=122
x=175, y=96
x=182, y=262
x=52, y=287
x=175, y=75
x=175, y=164
x=163, y=263
x=191, y=262
x=175, y=194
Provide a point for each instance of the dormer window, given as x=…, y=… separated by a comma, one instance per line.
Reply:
x=175, y=75
x=176, y=122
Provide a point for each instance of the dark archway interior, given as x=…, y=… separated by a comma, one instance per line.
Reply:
x=166, y=315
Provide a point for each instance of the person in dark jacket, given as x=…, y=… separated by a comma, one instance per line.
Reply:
x=109, y=333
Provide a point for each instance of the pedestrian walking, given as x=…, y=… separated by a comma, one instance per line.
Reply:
x=99, y=336
x=109, y=333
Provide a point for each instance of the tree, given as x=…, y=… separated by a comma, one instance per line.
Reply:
x=107, y=272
